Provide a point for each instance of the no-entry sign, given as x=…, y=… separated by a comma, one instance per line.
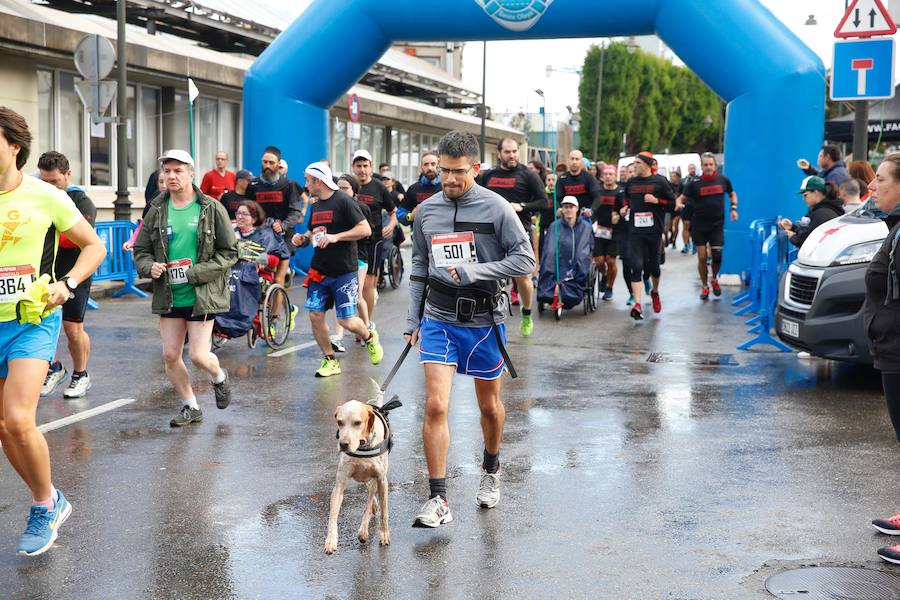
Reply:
x=353, y=107
x=863, y=69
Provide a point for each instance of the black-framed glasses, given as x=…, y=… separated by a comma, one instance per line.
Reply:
x=454, y=172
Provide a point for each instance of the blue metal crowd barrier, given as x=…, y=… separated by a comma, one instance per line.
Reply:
x=119, y=264
x=770, y=260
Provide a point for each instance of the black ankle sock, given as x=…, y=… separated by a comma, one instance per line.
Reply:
x=526, y=312
x=79, y=373
x=491, y=462
x=438, y=487
x=330, y=356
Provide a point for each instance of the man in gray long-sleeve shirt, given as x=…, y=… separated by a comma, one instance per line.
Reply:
x=466, y=240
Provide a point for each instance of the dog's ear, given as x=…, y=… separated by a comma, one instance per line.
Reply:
x=370, y=425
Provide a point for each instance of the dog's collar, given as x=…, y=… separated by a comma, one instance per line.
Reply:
x=387, y=443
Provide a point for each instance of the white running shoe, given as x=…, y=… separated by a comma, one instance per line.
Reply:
x=78, y=387
x=434, y=512
x=488, y=490
x=53, y=379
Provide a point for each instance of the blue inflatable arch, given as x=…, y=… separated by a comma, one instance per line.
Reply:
x=773, y=83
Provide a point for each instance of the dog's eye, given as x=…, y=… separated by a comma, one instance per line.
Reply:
x=357, y=423
x=340, y=423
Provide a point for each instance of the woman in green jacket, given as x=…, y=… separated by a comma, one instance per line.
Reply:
x=187, y=246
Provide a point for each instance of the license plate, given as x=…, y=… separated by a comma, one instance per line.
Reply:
x=790, y=328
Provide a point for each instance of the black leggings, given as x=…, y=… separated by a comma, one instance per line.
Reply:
x=891, y=383
x=645, y=251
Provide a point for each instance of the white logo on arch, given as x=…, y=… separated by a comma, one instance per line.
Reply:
x=515, y=15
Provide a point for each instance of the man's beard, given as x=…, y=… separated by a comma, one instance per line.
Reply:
x=430, y=175
x=509, y=164
x=270, y=176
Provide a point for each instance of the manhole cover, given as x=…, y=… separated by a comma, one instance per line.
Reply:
x=699, y=359
x=834, y=583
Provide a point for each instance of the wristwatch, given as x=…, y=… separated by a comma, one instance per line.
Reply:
x=70, y=283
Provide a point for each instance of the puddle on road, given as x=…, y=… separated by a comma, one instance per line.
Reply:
x=699, y=359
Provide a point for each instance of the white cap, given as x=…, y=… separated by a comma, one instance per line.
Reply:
x=322, y=172
x=283, y=163
x=569, y=200
x=388, y=175
x=361, y=154
x=181, y=156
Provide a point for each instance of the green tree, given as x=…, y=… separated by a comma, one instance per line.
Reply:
x=652, y=103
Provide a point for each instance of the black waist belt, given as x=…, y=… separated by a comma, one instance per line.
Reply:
x=465, y=302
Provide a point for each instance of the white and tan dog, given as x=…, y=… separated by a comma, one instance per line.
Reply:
x=363, y=432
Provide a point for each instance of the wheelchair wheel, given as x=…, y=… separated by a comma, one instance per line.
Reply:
x=557, y=314
x=252, y=338
x=289, y=279
x=276, y=316
x=395, y=267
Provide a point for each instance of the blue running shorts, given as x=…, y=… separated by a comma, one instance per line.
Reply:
x=29, y=341
x=472, y=350
x=340, y=293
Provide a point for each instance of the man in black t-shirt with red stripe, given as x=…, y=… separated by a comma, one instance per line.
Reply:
x=707, y=196
x=647, y=196
x=373, y=194
x=524, y=191
x=579, y=183
x=608, y=224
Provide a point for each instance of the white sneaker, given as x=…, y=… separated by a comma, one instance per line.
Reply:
x=337, y=343
x=78, y=387
x=53, y=379
x=434, y=512
x=488, y=490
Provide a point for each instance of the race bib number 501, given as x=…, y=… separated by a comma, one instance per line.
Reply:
x=14, y=281
x=452, y=249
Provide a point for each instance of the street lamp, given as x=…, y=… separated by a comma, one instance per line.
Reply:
x=599, y=94
x=540, y=93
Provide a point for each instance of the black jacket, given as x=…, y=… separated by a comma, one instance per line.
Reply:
x=824, y=211
x=881, y=310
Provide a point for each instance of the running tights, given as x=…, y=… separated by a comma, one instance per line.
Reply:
x=891, y=383
x=645, y=250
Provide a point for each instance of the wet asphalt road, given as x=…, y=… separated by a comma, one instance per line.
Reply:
x=622, y=478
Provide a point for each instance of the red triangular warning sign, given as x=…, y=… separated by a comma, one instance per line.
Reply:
x=865, y=18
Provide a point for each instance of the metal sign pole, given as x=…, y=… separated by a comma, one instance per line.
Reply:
x=122, y=205
x=861, y=131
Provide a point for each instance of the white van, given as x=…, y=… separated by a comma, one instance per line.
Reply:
x=669, y=163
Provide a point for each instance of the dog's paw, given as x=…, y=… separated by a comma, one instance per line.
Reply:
x=363, y=536
x=384, y=537
x=330, y=546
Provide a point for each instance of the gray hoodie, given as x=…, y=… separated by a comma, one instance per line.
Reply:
x=501, y=244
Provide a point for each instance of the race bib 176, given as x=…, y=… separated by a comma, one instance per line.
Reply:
x=178, y=270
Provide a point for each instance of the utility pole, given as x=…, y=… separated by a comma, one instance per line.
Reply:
x=597, y=106
x=122, y=204
x=861, y=130
x=483, y=93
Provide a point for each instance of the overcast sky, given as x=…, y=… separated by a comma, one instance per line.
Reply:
x=513, y=90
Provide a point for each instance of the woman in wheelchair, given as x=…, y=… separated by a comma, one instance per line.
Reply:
x=259, y=307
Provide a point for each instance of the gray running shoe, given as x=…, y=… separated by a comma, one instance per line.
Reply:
x=434, y=512
x=53, y=379
x=223, y=391
x=488, y=490
x=337, y=343
x=186, y=416
x=78, y=386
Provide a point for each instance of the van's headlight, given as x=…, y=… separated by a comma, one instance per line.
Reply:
x=857, y=253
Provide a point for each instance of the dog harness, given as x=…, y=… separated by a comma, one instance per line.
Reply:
x=366, y=450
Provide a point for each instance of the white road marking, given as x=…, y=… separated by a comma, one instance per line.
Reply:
x=85, y=414
x=291, y=349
